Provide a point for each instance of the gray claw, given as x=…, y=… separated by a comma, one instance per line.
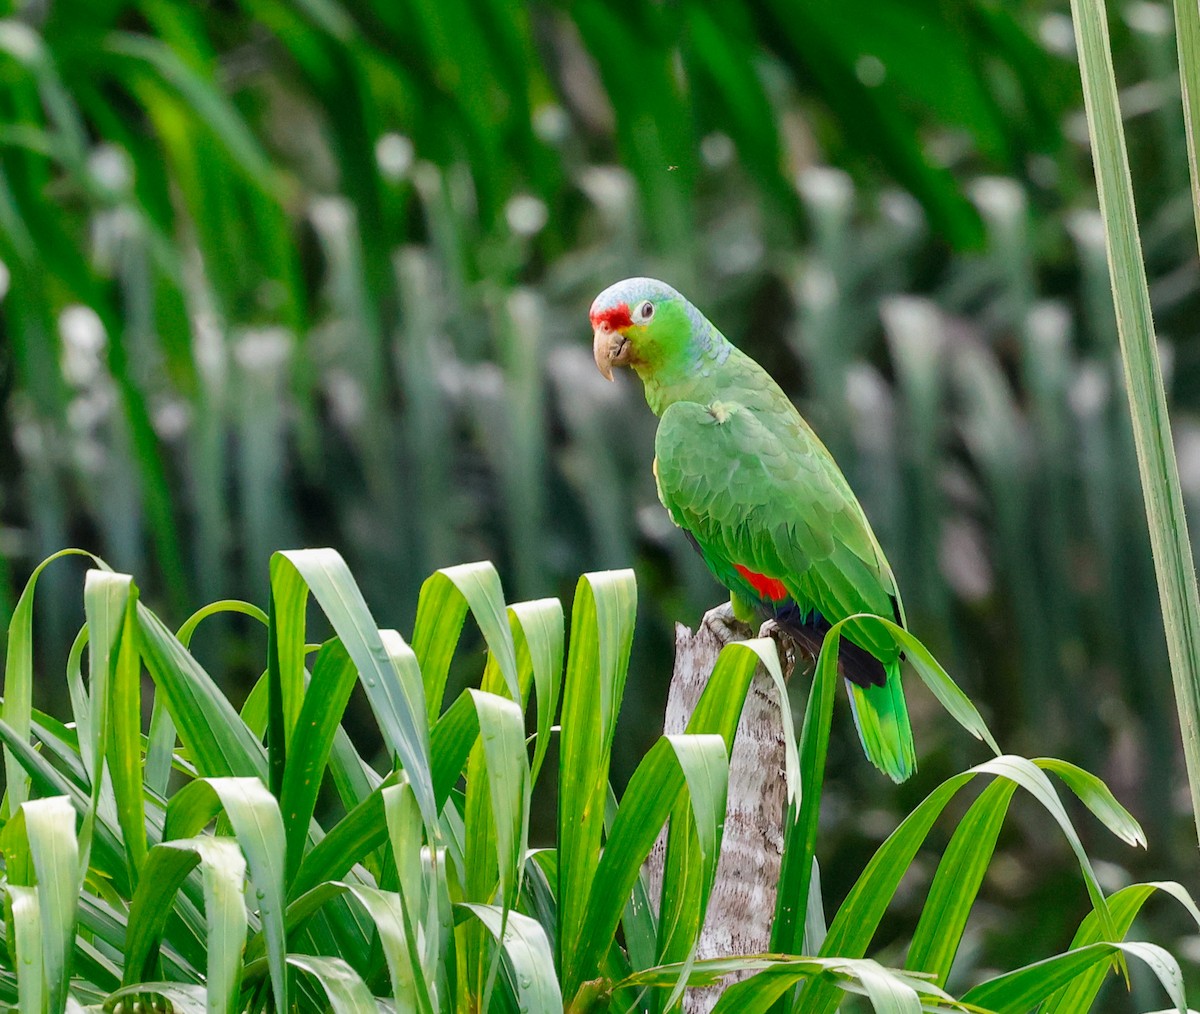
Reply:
x=725, y=626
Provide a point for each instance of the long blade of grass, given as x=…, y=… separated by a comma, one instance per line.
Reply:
x=417, y=968
x=392, y=681
x=688, y=873
x=654, y=793
x=1098, y=798
x=528, y=957
x=889, y=989
x=502, y=728
x=538, y=634
x=445, y=597
x=1187, y=36
x=216, y=738
x=856, y=921
x=800, y=823
x=286, y=674
x=672, y=763
x=333, y=677
x=1125, y=905
x=343, y=986
x=353, y=838
x=496, y=819
x=1169, y=540
x=957, y=881
x=1022, y=990
x=18, y=679
x=108, y=855
x=223, y=870
x=386, y=909
x=800, y=831
x=258, y=825
x=601, y=636
x=123, y=752
x=182, y=998
x=451, y=742
x=26, y=944
x=54, y=850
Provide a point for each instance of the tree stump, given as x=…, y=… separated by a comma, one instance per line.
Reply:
x=742, y=905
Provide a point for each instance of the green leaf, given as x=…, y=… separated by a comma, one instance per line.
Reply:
x=1174, y=563
x=948, y=693
x=214, y=735
x=108, y=855
x=356, y=835
x=705, y=765
x=392, y=679
x=54, y=851
x=1125, y=905
x=258, y=826
x=528, y=958
x=116, y=733
x=442, y=607
x=601, y=635
x=889, y=989
x=18, y=674
x=416, y=968
x=183, y=998
x=346, y=991
x=957, y=881
x=1019, y=991
x=28, y=950
x=697, y=761
x=223, y=870
x=188, y=630
x=502, y=728
x=856, y=921
x=800, y=834
x=286, y=674
x=333, y=678
x=1098, y=798
x=451, y=741
x=538, y=634
x=800, y=824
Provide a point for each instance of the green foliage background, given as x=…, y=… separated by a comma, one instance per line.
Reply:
x=317, y=273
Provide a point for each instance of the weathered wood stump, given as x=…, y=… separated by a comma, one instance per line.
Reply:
x=742, y=906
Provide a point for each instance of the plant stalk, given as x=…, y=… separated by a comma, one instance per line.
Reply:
x=1173, y=561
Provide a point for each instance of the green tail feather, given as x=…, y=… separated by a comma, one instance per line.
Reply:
x=881, y=717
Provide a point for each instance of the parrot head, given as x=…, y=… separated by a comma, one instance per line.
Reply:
x=642, y=323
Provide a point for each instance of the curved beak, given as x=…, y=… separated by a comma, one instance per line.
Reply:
x=610, y=348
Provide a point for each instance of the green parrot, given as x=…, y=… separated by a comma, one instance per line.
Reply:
x=761, y=498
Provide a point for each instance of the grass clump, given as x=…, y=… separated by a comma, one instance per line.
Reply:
x=194, y=861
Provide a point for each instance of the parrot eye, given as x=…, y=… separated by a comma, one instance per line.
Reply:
x=645, y=311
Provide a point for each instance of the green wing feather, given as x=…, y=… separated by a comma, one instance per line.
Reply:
x=755, y=487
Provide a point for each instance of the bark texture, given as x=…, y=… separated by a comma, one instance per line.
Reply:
x=742, y=905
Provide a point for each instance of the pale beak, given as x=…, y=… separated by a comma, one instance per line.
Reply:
x=609, y=348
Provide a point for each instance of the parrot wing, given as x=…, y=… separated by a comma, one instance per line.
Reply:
x=771, y=500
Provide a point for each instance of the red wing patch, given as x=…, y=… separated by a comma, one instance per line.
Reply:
x=767, y=587
x=615, y=317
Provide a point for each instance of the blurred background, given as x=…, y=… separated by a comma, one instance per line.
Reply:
x=317, y=272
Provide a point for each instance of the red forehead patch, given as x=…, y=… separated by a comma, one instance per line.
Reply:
x=616, y=317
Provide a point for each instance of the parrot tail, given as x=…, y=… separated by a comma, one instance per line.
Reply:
x=881, y=717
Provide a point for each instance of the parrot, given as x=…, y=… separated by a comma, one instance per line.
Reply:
x=761, y=498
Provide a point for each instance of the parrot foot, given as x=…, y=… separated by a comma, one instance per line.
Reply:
x=790, y=650
x=726, y=627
